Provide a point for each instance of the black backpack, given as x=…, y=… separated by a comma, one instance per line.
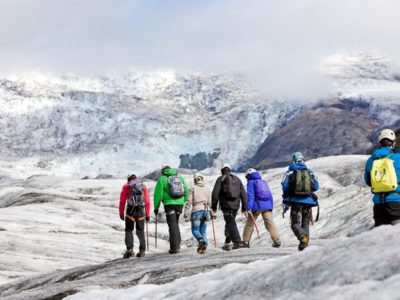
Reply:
x=300, y=183
x=230, y=187
x=135, y=207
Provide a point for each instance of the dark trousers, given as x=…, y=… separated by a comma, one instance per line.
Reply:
x=129, y=225
x=172, y=213
x=231, y=230
x=300, y=219
x=387, y=213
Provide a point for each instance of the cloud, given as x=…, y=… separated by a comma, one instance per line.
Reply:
x=277, y=44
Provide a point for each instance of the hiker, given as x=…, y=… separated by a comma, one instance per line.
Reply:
x=229, y=193
x=259, y=201
x=299, y=184
x=172, y=190
x=136, y=197
x=199, y=204
x=386, y=189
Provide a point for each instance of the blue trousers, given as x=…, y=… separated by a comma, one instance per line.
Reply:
x=199, y=221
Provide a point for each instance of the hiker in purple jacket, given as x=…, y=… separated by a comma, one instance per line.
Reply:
x=259, y=201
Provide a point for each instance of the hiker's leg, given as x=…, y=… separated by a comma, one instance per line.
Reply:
x=305, y=219
x=379, y=214
x=140, y=234
x=171, y=221
x=228, y=239
x=204, y=223
x=249, y=227
x=270, y=225
x=393, y=212
x=229, y=217
x=128, y=233
x=178, y=210
x=203, y=227
x=295, y=219
x=196, y=222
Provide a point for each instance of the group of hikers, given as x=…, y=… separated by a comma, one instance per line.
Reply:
x=200, y=203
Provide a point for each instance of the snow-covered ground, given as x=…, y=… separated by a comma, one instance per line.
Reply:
x=63, y=237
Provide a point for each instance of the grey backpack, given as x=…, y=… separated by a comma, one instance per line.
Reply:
x=175, y=187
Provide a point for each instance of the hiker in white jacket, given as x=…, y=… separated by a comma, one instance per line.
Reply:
x=198, y=204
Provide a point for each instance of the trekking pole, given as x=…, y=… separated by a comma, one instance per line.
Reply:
x=311, y=217
x=147, y=235
x=213, y=227
x=156, y=231
x=255, y=224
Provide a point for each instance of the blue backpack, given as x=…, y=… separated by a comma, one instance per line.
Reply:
x=262, y=190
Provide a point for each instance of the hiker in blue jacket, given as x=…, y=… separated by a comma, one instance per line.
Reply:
x=386, y=205
x=259, y=201
x=298, y=193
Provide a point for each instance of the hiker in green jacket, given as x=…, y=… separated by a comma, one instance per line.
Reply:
x=172, y=190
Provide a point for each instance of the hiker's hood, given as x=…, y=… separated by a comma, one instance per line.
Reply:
x=382, y=152
x=254, y=176
x=169, y=172
x=297, y=166
x=200, y=183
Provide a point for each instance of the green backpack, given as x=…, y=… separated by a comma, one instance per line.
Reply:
x=301, y=183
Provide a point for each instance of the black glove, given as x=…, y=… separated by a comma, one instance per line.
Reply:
x=122, y=218
x=147, y=219
x=156, y=212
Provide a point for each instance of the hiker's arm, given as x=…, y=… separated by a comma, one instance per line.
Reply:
x=367, y=172
x=188, y=205
x=122, y=199
x=215, y=194
x=250, y=194
x=146, y=201
x=315, y=183
x=285, y=182
x=243, y=196
x=158, y=191
x=186, y=187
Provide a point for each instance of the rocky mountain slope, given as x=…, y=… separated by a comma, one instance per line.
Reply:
x=369, y=99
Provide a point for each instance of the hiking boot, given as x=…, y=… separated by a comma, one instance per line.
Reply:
x=246, y=244
x=141, y=253
x=128, y=253
x=238, y=245
x=303, y=242
x=276, y=243
x=227, y=247
x=201, y=249
x=174, y=251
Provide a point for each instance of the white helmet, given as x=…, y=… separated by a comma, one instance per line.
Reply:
x=387, y=134
x=249, y=171
x=226, y=166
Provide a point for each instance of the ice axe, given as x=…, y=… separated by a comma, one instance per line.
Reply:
x=254, y=222
x=213, y=227
x=147, y=234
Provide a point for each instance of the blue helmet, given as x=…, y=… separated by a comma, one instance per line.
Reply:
x=297, y=157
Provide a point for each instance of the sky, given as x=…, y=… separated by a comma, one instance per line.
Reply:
x=279, y=42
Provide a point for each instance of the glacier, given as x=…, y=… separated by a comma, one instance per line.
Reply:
x=62, y=237
x=85, y=126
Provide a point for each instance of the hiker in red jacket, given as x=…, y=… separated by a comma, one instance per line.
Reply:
x=136, y=197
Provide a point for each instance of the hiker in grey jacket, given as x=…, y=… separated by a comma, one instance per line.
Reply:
x=198, y=206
